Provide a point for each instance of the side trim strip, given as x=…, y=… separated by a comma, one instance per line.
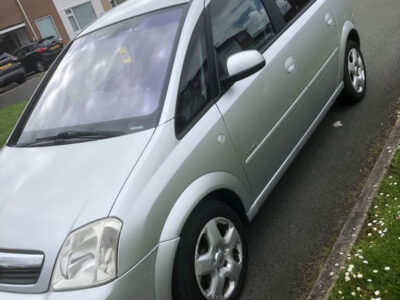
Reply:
x=283, y=118
x=262, y=197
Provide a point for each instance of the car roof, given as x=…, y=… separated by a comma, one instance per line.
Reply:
x=128, y=10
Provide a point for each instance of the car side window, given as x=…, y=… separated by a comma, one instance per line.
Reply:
x=291, y=8
x=238, y=25
x=194, y=89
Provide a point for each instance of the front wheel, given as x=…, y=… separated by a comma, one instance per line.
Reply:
x=21, y=80
x=211, y=261
x=355, y=74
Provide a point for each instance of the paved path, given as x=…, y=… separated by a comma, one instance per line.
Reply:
x=292, y=234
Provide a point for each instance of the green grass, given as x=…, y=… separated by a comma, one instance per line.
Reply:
x=8, y=117
x=376, y=256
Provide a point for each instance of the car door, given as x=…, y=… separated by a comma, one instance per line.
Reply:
x=315, y=44
x=268, y=113
x=30, y=58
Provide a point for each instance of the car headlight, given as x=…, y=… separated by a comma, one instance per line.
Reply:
x=88, y=256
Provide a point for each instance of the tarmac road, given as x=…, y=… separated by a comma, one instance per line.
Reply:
x=291, y=236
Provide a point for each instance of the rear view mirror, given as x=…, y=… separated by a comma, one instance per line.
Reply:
x=242, y=65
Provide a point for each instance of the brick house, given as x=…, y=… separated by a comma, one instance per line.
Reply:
x=24, y=21
x=77, y=14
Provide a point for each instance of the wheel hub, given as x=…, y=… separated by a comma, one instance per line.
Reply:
x=220, y=259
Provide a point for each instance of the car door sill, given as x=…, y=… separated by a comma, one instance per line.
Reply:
x=274, y=180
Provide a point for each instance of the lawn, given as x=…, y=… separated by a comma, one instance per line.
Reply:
x=372, y=269
x=8, y=117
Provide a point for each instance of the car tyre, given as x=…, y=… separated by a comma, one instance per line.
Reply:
x=355, y=74
x=21, y=80
x=211, y=259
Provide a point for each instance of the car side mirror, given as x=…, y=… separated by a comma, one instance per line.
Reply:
x=242, y=65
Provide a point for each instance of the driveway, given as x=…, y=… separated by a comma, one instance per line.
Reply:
x=291, y=236
x=14, y=93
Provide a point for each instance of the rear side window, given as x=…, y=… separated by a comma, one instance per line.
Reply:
x=238, y=25
x=194, y=88
x=291, y=8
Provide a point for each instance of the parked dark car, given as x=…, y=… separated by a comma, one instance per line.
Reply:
x=38, y=56
x=11, y=70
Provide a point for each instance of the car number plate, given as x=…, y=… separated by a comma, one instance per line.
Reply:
x=55, y=47
x=5, y=66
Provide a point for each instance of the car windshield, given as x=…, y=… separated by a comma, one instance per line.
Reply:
x=110, y=80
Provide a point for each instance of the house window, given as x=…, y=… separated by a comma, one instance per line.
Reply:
x=114, y=3
x=80, y=16
x=46, y=27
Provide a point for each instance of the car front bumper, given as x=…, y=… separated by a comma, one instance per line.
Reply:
x=12, y=76
x=137, y=283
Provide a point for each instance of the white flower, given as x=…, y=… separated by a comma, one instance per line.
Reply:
x=358, y=288
x=377, y=293
x=347, y=278
x=365, y=262
x=370, y=234
x=331, y=273
x=340, y=292
x=375, y=271
x=353, y=293
x=369, y=280
x=360, y=275
x=387, y=268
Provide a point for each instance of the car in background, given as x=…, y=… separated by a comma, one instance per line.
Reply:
x=38, y=56
x=11, y=70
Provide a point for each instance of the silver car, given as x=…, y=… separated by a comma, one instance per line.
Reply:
x=156, y=135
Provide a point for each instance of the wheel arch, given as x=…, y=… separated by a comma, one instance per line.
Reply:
x=213, y=186
x=219, y=185
x=349, y=32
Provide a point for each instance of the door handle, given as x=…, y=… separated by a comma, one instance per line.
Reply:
x=328, y=19
x=290, y=65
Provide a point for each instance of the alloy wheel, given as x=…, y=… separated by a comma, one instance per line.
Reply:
x=356, y=70
x=218, y=259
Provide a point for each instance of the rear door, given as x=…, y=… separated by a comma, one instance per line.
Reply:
x=313, y=33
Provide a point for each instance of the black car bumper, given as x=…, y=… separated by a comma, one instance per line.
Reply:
x=12, y=76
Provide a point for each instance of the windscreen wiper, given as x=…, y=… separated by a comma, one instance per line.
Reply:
x=66, y=136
